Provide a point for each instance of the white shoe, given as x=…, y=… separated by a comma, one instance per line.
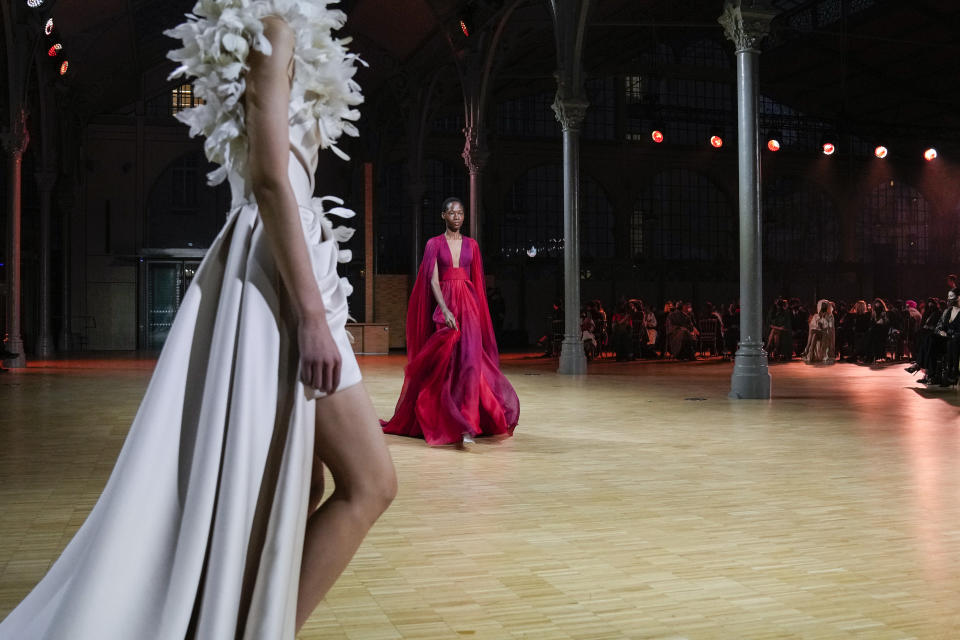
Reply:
x=466, y=438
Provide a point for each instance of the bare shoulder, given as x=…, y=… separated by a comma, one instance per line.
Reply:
x=277, y=25
x=277, y=30
x=282, y=40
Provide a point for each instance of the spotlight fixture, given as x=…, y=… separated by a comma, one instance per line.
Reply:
x=773, y=141
x=467, y=18
x=48, y=28
x=64, y=67
x=54, y=50
x=930, y=154
x=33, y=4
x=716, y=138
x=880, y=152
x=827, y=144
x=656, y=135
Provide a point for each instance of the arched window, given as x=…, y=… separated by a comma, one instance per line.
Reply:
x=533, y=215
x=893, y=223
x=799, y=223
x=682, y=215
x=173, y=101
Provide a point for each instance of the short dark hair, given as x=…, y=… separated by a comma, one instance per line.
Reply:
x=448, y=203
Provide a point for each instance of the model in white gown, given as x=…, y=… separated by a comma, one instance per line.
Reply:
x=200, y=529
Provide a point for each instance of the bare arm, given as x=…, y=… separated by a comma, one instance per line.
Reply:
x=267, y=104
x=438, y=295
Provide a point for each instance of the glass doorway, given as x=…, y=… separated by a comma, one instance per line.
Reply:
x=164, y=282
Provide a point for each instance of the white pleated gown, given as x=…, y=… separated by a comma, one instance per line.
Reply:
x=199, y=531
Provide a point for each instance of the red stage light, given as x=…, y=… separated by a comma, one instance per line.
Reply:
x=64, y=67
x=463, y=27
x=716, y=142
x=930, y=154
x=657, y=136
x=54, y=50
x=828, y=148
x=773, y=145
x=880, y=151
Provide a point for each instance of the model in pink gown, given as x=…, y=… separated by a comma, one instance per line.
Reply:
x=453, y=388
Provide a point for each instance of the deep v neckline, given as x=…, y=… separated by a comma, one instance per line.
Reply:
x=450, y=251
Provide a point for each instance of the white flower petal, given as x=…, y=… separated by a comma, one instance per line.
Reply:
x=343, y=234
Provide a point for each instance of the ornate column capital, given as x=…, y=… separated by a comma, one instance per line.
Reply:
x=744, y=25
x=16, y=139
x=475, y=154
x=570, y=111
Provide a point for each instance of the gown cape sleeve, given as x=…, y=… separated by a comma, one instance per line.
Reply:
x=217, y=38
x=420, y=321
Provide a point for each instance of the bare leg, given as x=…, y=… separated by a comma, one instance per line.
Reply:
x=353, y=448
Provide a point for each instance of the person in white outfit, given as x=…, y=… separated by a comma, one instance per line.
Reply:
x=210, y=525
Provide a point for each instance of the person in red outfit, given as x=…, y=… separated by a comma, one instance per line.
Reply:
x=453, y=389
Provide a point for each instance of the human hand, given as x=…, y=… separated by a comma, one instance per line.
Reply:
x=449, y=319
x=319, y=356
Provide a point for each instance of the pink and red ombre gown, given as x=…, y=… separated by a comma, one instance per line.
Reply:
x=452, y=384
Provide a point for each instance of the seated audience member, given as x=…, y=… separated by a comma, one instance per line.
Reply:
x=943, y=357
x=663, y=319
x=928, y=324
x=551, y=340
x=779, y=344
x=896, y=337
x=639, y=333
x=601, y=326
x=731, y=329
x=621, y=333
x=878, y=332
x=587, y=336
x=650, y=325
x=821, y=341
x=683, y=333
x=799, y=325
x=862, y=320
x=911, y=326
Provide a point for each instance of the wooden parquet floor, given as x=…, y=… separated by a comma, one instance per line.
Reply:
x=637, y=502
